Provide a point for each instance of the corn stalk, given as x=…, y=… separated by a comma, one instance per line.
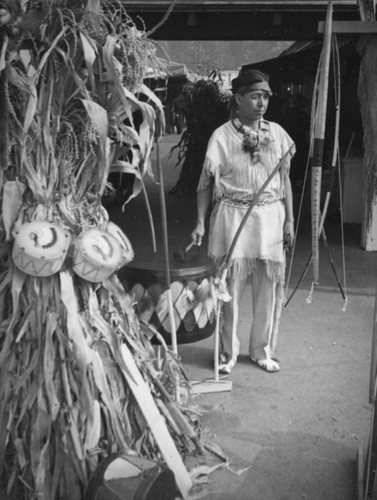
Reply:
x=71, y=74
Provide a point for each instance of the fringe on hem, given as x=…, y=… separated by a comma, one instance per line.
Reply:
x=243, y=267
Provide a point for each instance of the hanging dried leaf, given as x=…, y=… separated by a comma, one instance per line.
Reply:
x=64, y=399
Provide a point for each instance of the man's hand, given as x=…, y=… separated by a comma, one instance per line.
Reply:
x=198, y=233
x=288, y=234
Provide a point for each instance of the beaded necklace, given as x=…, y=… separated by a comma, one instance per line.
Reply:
x=250, y=138
x=253, y=140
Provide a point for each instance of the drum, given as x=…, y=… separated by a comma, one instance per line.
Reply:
x=122, y=476
x=191, y=289
x=40, y=247
x=97, y=254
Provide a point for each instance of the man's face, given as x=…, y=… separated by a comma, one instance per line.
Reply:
x=253, y=105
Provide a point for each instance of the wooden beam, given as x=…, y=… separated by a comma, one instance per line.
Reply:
x=350, y=27
x=208, y=386
x=155, y=422
x=233, y=26
x=236, y=5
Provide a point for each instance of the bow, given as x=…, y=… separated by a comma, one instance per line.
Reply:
x=319, y=139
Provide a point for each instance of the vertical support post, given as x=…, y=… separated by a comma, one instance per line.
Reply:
x=319, y=139
x=166, y=248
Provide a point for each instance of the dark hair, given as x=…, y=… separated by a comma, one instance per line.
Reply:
x=246, y=78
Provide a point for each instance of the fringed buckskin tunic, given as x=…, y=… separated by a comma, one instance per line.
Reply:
x=238, y=175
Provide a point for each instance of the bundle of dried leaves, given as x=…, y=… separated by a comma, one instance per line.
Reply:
x=204, y=105
x=70, y=75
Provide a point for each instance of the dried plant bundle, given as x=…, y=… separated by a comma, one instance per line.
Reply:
x=71, y=77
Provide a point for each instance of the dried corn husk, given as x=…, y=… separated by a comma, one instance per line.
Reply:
x=64, y=400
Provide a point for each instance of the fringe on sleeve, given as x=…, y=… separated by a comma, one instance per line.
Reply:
x=286, y=166
x=286, y=144
x=209, y=172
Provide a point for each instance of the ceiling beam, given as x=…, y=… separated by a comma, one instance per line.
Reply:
x=350, y=27
x=242, y=20
x=238, y=5
x=228, y=26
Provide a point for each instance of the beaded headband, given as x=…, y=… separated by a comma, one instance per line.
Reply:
x=245, y=89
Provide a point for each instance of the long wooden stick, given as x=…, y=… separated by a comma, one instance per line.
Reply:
x=217, y=340
x=175, y=412
x=373, y=361
x=229, y=255
x=329, y=191
x=309, y=262
x=155, y=422
x=150, y=216
x=319, y=139
x=166, y=249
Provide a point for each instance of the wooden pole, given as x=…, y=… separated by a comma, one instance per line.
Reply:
x=166, y=249
x=321, y=230
x=251, y=206
x=318, y=147
x=373, y=361
x=155, y=422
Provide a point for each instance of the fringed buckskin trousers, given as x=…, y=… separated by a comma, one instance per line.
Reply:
x=263, y=315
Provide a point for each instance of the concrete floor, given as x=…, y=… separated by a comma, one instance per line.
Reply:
x=293, y=435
